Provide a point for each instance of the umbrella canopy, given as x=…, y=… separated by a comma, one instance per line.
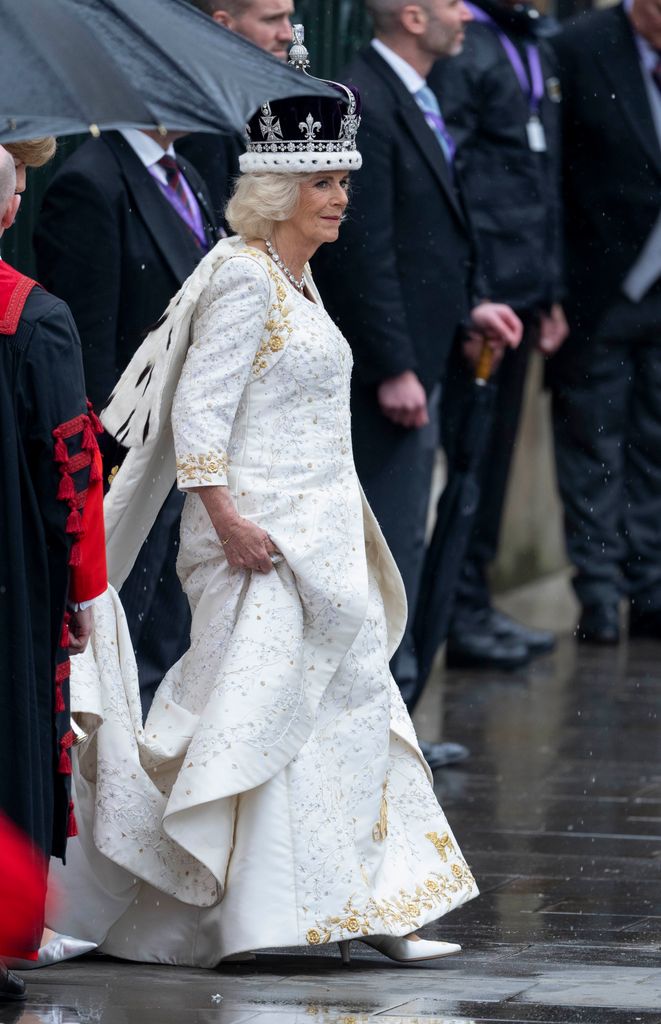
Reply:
x=454, y=523
x=57, y=79
x=198, y=75
x=185, y=71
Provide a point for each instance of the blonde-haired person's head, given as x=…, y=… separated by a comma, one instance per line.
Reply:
x=261, y=199
x=32, y=152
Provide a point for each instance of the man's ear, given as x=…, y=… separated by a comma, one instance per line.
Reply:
x=413, y=18
x=223, y=18
x=11, y=209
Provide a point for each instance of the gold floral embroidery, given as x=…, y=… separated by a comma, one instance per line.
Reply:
x=405, y=910
x=202, y=467
x=380, y=830
x=276, y=327
x=443, y=844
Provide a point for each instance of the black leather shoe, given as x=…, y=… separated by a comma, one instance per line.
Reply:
x=599, y=624
x=484, y=650
x=538, y=641
x=645, y=624
x=12, y=989
x=438, y=755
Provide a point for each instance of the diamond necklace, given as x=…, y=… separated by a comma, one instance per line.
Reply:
x=283, y=267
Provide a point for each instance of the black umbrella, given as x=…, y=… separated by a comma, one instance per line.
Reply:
x=192, y=74
x=198, y=75
x=57, y=79
x=454, y=522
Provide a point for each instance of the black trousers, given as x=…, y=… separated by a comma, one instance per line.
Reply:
x=472, y=594
x=156, y=608
x=395, y=468
x=607, y=429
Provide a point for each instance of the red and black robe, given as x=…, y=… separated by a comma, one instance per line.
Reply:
x=51, y=548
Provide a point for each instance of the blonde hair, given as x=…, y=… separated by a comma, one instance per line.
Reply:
x=32, y=152
x=260, y=199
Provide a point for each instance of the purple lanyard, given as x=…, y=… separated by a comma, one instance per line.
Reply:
x=532, y=88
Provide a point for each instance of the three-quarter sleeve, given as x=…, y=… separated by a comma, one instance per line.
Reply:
x=226, y=334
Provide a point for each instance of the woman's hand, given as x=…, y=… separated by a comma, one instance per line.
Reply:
x=246, y=545
x=249, y=547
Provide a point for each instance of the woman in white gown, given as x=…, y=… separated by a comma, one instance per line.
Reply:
x=276, y=795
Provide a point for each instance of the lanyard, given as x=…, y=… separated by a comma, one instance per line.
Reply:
x=532, y=88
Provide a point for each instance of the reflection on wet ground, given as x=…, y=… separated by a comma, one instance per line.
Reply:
x=559, y=815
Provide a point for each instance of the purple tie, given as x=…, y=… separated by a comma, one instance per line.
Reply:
x=428, y=104
x=178, y=196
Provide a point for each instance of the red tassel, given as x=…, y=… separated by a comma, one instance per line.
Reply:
x=75, y=557
x=74, y=522
x=59, y=699
x=89, y=441
x=97, y=426
x=95, y=472
x=64, y=636
x=66, y=490
x=61, y=453
x=64, y=766
x=72, y=824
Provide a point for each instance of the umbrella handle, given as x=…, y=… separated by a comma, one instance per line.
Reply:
x=484, y=365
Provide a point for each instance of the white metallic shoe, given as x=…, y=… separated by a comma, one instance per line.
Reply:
x=60, y=947
x=403, y=949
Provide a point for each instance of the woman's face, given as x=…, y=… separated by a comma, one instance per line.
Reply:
x=323, y=200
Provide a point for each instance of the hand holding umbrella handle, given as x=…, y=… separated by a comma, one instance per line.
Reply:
x=484, y=364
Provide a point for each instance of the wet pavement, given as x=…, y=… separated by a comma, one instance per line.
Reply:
x=559, y=815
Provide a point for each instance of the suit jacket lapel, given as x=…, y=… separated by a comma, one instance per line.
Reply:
x=195, y=182
x=170, y=235
x=620, y=62
x=413, y=120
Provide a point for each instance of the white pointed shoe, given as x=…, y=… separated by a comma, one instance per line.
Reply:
x=403, y=950
x=60, y=947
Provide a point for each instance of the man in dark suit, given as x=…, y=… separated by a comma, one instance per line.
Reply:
x=607, y=379
x=121, y=227
x=500, y=99
x=398, y=280
x=267, y=24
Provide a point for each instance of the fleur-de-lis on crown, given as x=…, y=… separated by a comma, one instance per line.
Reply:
x=309, y=127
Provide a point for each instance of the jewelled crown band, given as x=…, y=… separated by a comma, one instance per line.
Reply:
x=304, y=133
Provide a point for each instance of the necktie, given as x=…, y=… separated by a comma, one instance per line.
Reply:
x=428, y=104
x=178, y=196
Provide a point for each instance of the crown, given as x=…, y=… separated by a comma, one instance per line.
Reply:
x=304, y=133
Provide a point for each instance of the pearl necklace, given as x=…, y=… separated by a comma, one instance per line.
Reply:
x=283, y=267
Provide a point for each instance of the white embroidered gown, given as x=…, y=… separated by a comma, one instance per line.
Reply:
x=277, y=795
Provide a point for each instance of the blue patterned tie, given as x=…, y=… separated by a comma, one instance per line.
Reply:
x=428, y=104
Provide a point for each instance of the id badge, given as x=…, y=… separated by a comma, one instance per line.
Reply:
x=536, y=135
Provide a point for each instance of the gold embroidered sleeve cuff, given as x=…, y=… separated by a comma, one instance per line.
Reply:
x=202, y=470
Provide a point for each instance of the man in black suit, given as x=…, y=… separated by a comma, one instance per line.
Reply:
x=267, y=24
x=500, y=99
x=607, y=379
x=398, y=280
x=121, y=227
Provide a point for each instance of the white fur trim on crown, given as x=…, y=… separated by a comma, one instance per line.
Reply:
x=302, y=162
